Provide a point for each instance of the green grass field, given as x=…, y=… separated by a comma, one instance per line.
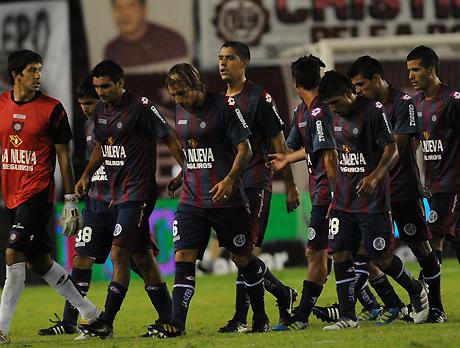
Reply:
x=212, y=306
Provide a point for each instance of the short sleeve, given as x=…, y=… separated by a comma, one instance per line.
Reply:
x=59, y=126
x=267, y=116
x=236, y=128
x=153, y=121
x=453, y=110
x=383, y=133
x=404, y=118
x=321, y=130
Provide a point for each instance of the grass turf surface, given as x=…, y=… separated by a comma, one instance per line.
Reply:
x=212, y=306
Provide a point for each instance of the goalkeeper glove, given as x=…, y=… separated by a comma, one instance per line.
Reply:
x=71, y=220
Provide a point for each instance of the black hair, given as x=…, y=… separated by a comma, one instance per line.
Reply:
x=18, y=60
x=428, y=57
x=108, y=68
x=367, y=67
x=85, y=88
x=242, y=50
x=334, y=83
x=306, y=71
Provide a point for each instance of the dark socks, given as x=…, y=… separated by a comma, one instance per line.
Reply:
x=362, y=291
x=402, y=276
x=82, y=280
x=432, y=276
x=184, y=288
x=115, y=295
x=310, y=293
x=253, y=274
x=242, y=300
x=345, y=283
x=159, y=296
x=274, y=286
x=386, y=292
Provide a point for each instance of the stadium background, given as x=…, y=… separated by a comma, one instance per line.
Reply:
x=71, y=36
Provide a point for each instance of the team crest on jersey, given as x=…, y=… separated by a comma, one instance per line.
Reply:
x=239, y=240
x=15, y=140
x=434, y=118
x=432, y=216
x=203, y=125
x=193, y=143
x=410, y=229
x=426, y=135
x=379, y=243
x=110, y=140
x=20, y=116
x=17, y=126
x=311, y=233
x=117, y=230
x=119, y=125
x=346, y=148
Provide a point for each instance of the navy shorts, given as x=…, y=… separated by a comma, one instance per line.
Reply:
x=443, y=215
x=259, y=208
x=132, y=228
x=410, y=220
x=95, y=238
x=29, y=220
x=192, y=228
x=376, y=231
x=318, y=229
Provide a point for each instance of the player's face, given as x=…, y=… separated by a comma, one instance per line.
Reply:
x=109, y=91
x=419, y=76
x=340, y=104
x=365, y=87
x=231, y=66
x=183, y=95
x=88, y=105
x=29, y=79
x=129, y=16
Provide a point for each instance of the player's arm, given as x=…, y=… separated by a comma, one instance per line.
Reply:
x=82, y=186
x=292, y=194
x=222, y=189
x=331, y=163
x=172, y=142
x=65, y=163
x=389, y=158
x=278, y=161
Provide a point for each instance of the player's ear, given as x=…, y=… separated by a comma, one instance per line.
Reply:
x=121, y=83
x=245, y=63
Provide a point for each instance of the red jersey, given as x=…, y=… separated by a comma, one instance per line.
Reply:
x=28, y=132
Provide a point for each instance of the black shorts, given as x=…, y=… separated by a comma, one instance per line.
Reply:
x=132, y=228
x=376, y=231
x=259, y=208
x=443, y=215
x=192, y=228
x=29, y=220
x=318, y=229
x=410, y=219
x=95, y=238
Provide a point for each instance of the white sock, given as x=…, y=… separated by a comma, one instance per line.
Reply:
x=59, y=279
x=14, y=284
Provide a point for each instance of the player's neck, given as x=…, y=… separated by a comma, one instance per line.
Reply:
x=22, y=95
x=431, y=90
x=384, y=92
x=308, y=96
x=235, y=87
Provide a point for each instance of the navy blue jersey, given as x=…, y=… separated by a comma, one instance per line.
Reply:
x=100, y=188
x=360, y=139
x=404, y=176
x=312, y=130
x=439, y=126
x=209, y=136
x=261, y=114
x=127, y=134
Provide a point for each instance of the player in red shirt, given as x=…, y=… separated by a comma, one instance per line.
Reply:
x=34, y=129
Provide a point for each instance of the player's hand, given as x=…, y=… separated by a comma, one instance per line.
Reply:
x=366, y=185
x=71, y=220
x=174, y=184
x=82, y=186
x=292, y=198
x=277, y=161
x=222, y=190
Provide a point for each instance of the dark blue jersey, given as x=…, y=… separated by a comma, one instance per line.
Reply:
x=404, y=176
x=127, y=134
x=209, y=136
x=100, y=188
x=360, y=139
x=439, y=127
x=312, y=130
x=261, y=114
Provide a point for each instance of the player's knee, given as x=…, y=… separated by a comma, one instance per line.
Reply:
x=120, y=257
x=315, y=257
x=82, y=262
x=240, y=260
x=186, y=255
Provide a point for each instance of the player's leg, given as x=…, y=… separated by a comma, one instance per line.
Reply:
x=379, y=243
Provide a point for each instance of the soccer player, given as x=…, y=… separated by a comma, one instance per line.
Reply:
x=214, y=136
x=438, y=110
x=311, y=138
x=361, y=202
x=260, y=112
x=34, y=129
x=126, y=127
x=407, y=209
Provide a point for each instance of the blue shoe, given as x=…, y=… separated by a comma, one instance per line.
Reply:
x=295, y=325
x=370, y=314
x=387, y=316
